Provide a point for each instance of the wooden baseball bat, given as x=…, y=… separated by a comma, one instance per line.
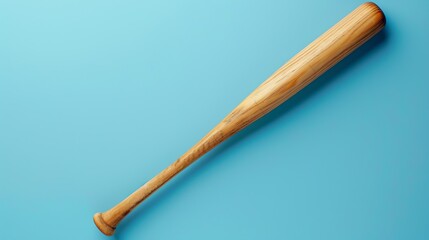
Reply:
x=335, y=44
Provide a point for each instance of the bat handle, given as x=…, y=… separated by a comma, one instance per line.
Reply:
x=330, y=48
x=107, y=221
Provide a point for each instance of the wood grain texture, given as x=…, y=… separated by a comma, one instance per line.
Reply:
x=335, y=44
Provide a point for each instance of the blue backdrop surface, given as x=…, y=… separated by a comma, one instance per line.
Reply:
x=97, y=97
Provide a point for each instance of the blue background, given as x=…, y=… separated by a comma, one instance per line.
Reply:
x=96, y=97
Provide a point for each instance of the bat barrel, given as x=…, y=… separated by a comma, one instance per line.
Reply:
x=319, y=56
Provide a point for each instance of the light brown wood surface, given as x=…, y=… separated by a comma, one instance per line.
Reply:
x=348, y=34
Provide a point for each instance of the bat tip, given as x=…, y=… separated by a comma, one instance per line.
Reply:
x=375, y=8
x=102, y=225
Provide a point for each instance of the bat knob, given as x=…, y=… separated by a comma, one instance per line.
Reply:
x=102, y=225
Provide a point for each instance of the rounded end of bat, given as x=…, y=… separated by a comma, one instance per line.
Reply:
x=102, y=225
x=379, y=14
